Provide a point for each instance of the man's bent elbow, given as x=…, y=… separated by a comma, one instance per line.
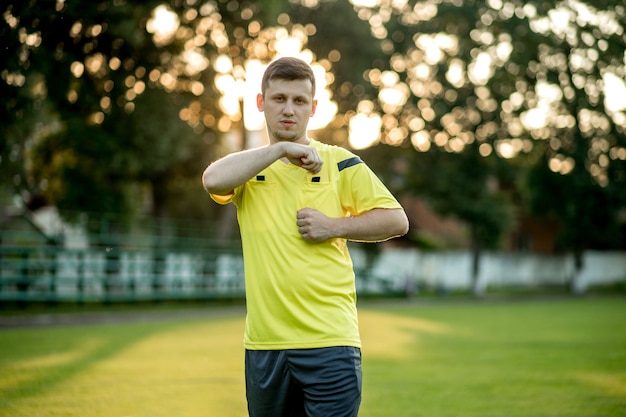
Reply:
x=401, y=223
x=210, y=185
x=206, y=181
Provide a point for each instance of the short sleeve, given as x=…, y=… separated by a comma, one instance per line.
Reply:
x=228, y=198
x=222, y=199
x=362, y=190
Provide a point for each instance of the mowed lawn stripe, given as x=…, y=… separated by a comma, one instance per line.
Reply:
x=532, y=358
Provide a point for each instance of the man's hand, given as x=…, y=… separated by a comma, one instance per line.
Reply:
x=314, y=226
x=376, y=225
x=303, y=156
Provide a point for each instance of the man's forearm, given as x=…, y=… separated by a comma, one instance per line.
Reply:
x=374, y=226
x=223, y=175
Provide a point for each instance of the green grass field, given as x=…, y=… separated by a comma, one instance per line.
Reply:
x=529, y=358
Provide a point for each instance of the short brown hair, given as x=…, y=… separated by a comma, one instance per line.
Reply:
x=289, y=69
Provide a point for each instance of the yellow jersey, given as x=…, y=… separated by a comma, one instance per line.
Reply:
x=301, y=294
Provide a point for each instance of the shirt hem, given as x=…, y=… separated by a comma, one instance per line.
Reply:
x=303, y=345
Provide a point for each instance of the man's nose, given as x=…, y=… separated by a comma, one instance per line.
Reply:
x=288, y=109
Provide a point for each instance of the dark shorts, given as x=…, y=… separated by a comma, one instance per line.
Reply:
x=324, y=382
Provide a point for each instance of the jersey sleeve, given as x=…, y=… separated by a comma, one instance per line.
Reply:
x=228, y=198
x=222, y=199
x=361, y=189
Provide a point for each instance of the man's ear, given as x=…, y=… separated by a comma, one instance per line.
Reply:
x=259, y=101
x=313, y=107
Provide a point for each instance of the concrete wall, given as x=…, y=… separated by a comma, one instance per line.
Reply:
x=452, y=270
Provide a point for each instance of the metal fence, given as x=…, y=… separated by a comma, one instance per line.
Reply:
x=183, y=260
x=106, y=274
x=190, y=270
x=44, y=259
x=190, y=263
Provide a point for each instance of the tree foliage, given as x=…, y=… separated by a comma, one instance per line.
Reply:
x=103, y=101
x=516, y=94
x=487, y=108
x=74, y=73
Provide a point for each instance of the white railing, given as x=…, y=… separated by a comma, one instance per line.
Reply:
x=94, y=275
x=452, y=270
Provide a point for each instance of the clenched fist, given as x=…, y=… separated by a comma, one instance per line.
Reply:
x=303, y=156
x=314, y=226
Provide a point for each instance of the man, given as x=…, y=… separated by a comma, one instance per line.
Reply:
x=298, y=203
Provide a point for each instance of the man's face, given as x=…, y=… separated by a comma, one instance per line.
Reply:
x=287, y=105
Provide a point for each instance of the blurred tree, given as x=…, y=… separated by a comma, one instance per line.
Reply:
x=118, y=105
x=485, y=91
x=482, y=104
x=578, y=177
x=74, y=75
x=441, y=99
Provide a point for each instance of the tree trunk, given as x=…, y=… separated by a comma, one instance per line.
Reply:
x=578, y=284
x=478, y=287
